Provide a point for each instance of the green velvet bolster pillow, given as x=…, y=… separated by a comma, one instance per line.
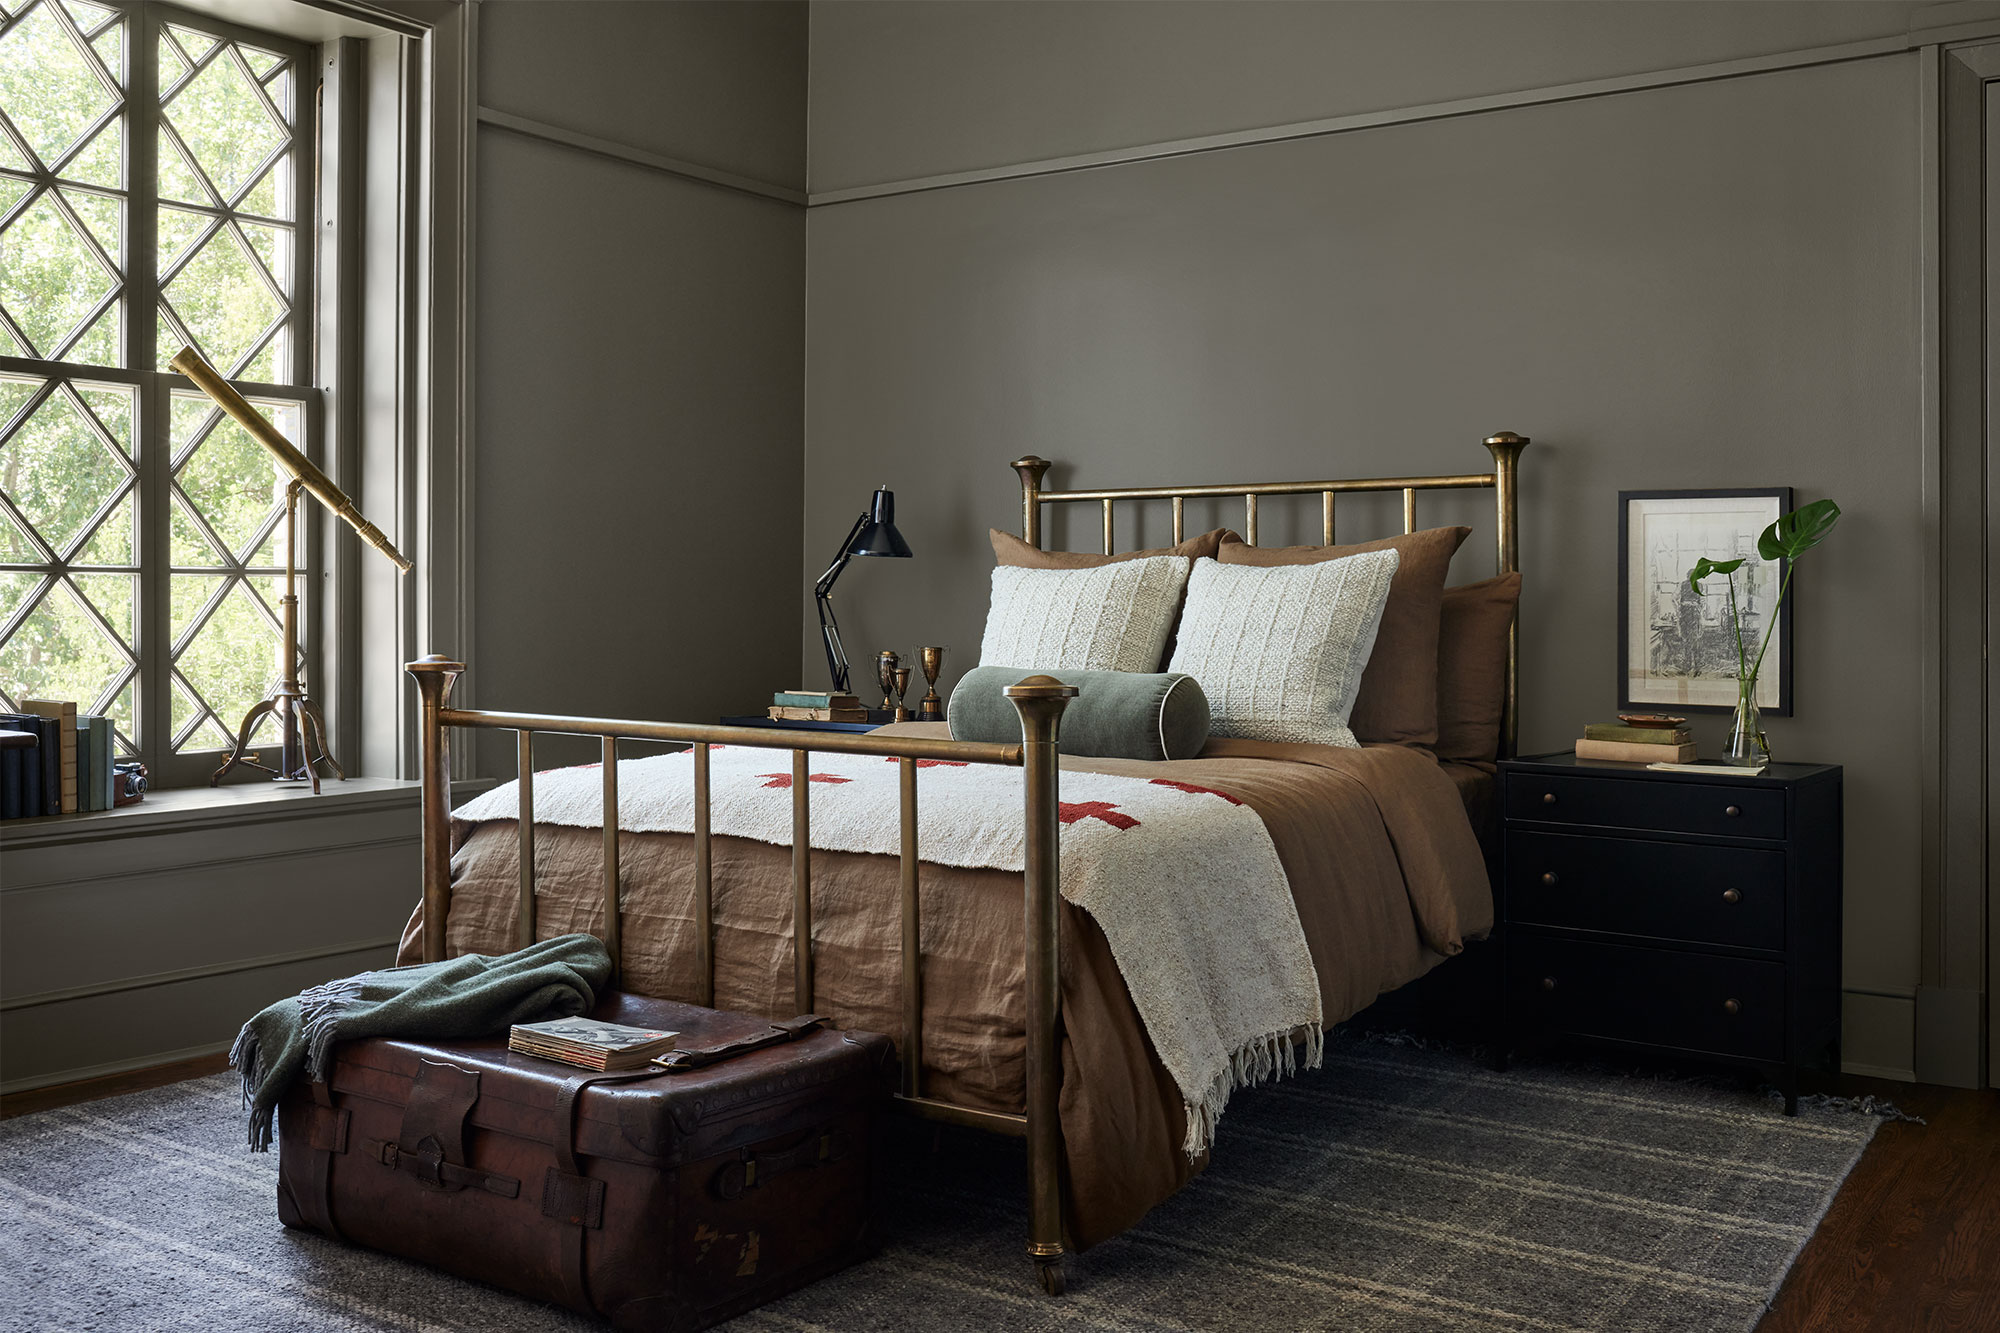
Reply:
x=1117, y=715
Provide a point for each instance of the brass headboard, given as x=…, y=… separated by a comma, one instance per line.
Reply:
x=1506, y=447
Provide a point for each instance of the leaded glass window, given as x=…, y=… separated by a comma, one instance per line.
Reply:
x=154, y=170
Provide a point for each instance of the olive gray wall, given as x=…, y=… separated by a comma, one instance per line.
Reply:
x=638, y=362
x=1714, y=284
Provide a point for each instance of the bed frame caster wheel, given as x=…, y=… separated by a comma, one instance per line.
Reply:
x=1051, y=1273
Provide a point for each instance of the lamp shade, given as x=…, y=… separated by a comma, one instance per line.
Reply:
x=878, y=536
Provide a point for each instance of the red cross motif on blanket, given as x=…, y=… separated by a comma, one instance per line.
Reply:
x=933, y=763
x=1196, y=789
x=1072, y=811
x=785, y=779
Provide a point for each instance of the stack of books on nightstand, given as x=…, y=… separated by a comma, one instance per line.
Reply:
x=1636, y=745
x=816, y=706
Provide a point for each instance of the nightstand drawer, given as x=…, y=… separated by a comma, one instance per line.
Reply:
x=1692, y=1001
x=1667, y=807
x=1667, y=890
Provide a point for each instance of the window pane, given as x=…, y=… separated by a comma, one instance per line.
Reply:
x=48, y=87
x=225, y=124
x=234, y=658
x=232, y=480
x=60, y=652
x=58, y=472
x=49, y=282
x=224, y=302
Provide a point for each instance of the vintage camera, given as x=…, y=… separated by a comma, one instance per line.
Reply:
x=128, y=782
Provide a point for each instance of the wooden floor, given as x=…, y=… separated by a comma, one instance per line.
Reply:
x=1911, y=1244
x=1912, y=1241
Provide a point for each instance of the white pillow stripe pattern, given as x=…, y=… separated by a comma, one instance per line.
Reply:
x=1279, y=650
x=1111, y=618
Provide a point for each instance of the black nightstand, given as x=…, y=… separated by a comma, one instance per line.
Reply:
x=1683, y=913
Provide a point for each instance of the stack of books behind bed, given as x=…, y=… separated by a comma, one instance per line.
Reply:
x=1636, y=745
x=817, y=706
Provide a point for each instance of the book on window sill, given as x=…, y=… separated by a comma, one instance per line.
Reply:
x=1633, y=753
x=41, y=772
x=1714, y=767
x=783, y=714
x=591, y=1043
x=815, y=699
x=63, y=713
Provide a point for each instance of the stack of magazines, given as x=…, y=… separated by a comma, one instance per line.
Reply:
x=607, y=1047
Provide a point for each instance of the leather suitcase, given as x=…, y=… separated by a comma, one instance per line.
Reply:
x=662, y=1201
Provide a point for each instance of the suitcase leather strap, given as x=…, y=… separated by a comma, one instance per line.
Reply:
x=329, y=1136
x=698, y=1057
x=754, y=1168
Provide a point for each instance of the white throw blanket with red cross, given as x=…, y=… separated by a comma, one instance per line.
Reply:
x=1183, y=880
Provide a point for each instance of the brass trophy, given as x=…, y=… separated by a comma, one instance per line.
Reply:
x=931, y=708
x=886, y=663
x=902, y=687
x=301, y=729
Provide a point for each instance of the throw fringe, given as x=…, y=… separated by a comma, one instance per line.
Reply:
x=246, y=1057
x=322, y=1007
x=1867, y=1104
x=1259, y=1060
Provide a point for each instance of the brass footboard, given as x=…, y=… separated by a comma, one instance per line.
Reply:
x=1040, y=700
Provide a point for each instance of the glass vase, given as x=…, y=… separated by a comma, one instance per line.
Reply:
x=1747, y=746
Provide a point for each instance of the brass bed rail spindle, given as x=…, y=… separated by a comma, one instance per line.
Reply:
x=1250, y=518
x=1409, y=509
x=1180, y=520
x=1326, y=518
x=1506, y=448
x=613, y=934
x=1107, y=528
x=704, y=889
x=434, y=676
x=802, y=902
x=1040, y=701
x=913, y=938
x=524, y=762
x=1032, y=470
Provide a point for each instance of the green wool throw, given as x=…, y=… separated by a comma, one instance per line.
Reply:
x=472, y=996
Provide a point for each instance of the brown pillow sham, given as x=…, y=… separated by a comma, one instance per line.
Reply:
x=1472, y=667
x=1011, y=550
x=1398, y=702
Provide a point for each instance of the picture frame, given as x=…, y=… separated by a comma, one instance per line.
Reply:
x=1676, y=651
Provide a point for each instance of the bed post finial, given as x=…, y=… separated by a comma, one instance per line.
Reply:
x=1041, y=701
x=1506, y=447
x=1031, y=469
x=435, y=676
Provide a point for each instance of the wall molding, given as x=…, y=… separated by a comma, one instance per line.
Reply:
x=146, y=981
x=1411, y=115
x=638, y=157
x=110, y=1067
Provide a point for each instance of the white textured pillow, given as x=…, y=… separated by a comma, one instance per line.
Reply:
x=1111, y=618
x=1279, y=649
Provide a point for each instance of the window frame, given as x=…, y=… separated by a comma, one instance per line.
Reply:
x=155, y=455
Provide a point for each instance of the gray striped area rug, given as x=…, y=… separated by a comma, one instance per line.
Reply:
x=1397, y=1189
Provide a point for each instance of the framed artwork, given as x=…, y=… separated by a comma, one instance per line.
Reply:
x=1677, y=648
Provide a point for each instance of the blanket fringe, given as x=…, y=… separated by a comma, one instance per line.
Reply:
x=322, y=1007
x=246, y=1057
x=1274, y=1055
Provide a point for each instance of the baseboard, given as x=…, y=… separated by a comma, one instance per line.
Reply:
x=1877, y=1035
x=151, y=1060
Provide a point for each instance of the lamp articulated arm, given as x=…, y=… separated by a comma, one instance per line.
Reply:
x=829, y=627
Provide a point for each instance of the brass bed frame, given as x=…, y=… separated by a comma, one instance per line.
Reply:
x=1040, y=701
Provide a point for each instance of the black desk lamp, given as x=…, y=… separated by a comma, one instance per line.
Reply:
x=874, y=533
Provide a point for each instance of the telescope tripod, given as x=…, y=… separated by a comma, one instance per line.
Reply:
x=301, y=729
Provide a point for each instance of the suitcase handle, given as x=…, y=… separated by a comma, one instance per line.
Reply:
x=753, y=1169
x=699, y=1057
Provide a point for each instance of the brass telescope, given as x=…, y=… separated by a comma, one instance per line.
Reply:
x=192, y=364
x=301, y=729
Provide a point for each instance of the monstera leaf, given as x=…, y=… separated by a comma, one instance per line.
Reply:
x=1798, y=531
x=1704, y=567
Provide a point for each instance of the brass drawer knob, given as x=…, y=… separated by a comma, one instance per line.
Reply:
x=1731, y=896
x=1733, y=811
x=1731, y=1007
x=1548, y=798
x=1549, y=983
x=1549, y=877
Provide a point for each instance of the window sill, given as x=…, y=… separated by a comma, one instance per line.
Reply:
x=188, y=809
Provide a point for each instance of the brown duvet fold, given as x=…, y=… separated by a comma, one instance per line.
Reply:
x=1383, y=864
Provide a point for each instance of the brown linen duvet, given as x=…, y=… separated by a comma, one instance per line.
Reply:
x=1383, y=863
